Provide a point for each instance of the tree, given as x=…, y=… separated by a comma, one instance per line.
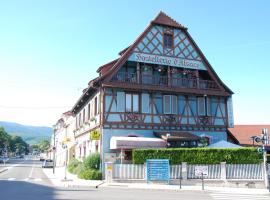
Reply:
x=44, y=145
x=4, y=139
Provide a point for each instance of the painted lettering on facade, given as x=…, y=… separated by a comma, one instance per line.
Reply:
x=165, y=60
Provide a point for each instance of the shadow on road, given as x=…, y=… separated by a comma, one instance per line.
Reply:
x=20, y=190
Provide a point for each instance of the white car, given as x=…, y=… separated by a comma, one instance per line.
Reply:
x=48, y=163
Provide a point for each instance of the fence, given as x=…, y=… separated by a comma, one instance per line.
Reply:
x=226, y=171
x=244, y=171
x=130, y=171
x=214, y=171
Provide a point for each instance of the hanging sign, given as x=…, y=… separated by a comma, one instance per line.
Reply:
x=165, y=60
x=95, y=135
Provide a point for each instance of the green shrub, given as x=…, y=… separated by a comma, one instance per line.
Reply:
x=92, y=161
x=72, y=165
x=80, y=168
x=90, y=174
x=199, y=155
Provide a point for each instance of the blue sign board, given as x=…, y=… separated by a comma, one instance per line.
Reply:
x=158, y=170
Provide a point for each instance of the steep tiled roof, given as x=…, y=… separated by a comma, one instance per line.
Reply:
x=164, y=19
x=243, y=133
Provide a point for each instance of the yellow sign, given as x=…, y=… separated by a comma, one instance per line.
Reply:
x=95, y=135
x=109, y=167
x=66, y=140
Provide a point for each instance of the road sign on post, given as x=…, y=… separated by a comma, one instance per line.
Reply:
x=201, y=169
x=158, y=170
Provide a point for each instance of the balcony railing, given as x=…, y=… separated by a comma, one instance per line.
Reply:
x=164, y=81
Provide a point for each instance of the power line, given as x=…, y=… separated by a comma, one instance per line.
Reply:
x=35, y=107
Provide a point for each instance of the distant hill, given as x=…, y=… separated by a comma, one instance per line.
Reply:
x=31, y=134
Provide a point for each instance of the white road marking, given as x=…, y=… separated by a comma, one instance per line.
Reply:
x=231, y=196
x=31, y=172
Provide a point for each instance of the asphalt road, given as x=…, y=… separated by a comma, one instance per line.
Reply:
x=25, y=180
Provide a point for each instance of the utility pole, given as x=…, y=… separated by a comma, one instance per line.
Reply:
x=54, y=148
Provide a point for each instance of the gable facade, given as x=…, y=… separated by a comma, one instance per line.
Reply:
x=162, y=83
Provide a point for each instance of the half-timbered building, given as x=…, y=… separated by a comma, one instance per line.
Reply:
x=160, y=92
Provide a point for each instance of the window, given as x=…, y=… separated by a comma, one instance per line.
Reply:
x=168, y=40
x=80, y=117
x=95, y=106
x=204, y=106
x=170, y=104
x=132, y=103
x=89, y=111
x=83, y=115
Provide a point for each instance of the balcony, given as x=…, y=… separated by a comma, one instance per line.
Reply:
x=155, y=80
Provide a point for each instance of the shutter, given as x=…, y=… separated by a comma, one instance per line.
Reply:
x=145, y=103
x=230, y=112
x=208, y=106
x=201, y=106
x=120, y=101
x=174, y=104
x=167, y=104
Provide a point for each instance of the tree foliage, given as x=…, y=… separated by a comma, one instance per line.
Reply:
x=14, y=144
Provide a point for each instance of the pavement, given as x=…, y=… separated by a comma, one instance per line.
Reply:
x=73, y=181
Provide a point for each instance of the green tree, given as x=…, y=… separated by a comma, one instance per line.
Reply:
x=44, y=145
x=4, y=139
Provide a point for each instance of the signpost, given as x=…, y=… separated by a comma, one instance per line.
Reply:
x=158, y=170
x=201, y=171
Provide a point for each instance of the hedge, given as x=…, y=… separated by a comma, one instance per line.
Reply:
x=72, y=165
x=92, y=161
x=90, y=174
x=199, y=155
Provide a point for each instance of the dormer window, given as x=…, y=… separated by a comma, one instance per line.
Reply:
x=168, y=40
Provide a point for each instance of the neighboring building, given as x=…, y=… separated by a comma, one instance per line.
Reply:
x=63, y=139
x=160, y=92
x=243, y=134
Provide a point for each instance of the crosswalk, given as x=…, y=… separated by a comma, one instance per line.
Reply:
x=237, y=196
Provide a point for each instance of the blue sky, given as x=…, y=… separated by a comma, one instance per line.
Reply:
x=49, y=50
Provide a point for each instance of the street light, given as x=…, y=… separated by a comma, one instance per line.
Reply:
x=264, y=139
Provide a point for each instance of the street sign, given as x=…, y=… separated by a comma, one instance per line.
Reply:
x=201, y=170
x=157, y=170
x=260, y=150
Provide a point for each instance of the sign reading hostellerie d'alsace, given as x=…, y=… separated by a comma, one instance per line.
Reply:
x=165, y=60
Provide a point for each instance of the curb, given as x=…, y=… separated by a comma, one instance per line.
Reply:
x=3, y=170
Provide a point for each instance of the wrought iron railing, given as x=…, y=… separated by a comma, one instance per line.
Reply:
x=164, y=81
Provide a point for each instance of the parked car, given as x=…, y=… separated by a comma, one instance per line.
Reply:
x=48, y=163
x=41, y=159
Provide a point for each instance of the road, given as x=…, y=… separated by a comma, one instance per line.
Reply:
x=25, y=180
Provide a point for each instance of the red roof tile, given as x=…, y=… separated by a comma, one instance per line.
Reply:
x=243, y=132
x=164, y=19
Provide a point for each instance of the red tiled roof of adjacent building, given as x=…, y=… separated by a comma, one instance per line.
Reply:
x=243, y=133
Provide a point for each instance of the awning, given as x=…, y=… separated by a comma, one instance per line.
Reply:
x=177, y=136
x=136, y=143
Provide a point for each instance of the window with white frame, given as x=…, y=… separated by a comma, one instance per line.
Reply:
x=204, y=106
x=132, y=102
x=170, y=104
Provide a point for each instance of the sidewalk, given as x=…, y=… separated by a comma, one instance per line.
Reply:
x=57, y=178
x=73, y=181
